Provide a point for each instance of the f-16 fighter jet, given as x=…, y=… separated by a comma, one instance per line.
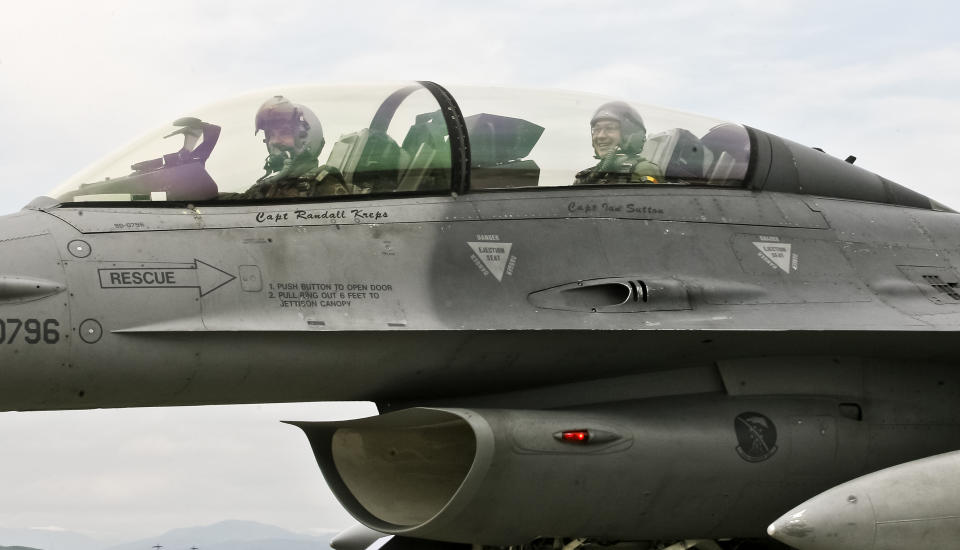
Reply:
x=585, y=321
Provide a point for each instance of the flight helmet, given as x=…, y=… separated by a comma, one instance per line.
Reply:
x=633, y=133
x=280, y=112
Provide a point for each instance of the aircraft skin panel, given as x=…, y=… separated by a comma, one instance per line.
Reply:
x=907, y=258
x=276, y=366
x=212, y=308
x=731, y=206
x=725, y=265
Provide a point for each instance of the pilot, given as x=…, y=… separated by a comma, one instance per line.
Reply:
x=618, y=134
x=294, y=139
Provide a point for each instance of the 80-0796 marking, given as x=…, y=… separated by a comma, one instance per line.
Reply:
x=34, y=331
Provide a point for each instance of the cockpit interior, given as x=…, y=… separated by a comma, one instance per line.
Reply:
x=321, y=142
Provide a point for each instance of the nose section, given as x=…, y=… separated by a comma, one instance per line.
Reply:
x=31, y=268
x=34, y=314
x=833, y=520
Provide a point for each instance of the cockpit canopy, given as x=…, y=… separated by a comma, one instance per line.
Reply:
x=417, y=137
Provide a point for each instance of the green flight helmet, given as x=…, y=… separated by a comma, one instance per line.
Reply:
x=633, y=133
x=279, y=111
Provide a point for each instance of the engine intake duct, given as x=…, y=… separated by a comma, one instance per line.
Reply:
x=417, y=472
x=396, y=470
x=702, y=467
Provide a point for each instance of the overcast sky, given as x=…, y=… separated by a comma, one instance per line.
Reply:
x=79, y=79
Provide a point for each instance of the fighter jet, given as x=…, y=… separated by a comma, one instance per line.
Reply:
x=585, y=322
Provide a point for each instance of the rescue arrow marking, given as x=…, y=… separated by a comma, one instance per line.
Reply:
x=775, y=254
x=200, y=275
x=494, y=256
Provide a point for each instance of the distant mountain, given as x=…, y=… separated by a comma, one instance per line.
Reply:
x=16, y=548
x=231, y=535
x=48, y=539
x=271, y=544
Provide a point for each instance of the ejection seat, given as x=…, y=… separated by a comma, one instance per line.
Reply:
x=369, y=159
x=731, y=151
x=680, y=155
x=427, y=146
x=498, y=145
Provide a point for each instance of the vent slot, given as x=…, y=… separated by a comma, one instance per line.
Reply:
x=950, y=289
x=940, y=285
x=614, y=295
x=596, y=296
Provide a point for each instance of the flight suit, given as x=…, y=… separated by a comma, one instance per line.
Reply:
x=620, y=168
x=321, y=181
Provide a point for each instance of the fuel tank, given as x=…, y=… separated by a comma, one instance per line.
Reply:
x=912, y=505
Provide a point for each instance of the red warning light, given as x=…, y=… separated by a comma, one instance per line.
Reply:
x=575, y=436
x=587, y=437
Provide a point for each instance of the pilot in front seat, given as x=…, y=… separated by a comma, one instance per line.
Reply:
x=618, y=134
x=294, y=139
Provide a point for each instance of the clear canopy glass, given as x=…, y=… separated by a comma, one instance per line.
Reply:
x=313, y=142
x=536, y=138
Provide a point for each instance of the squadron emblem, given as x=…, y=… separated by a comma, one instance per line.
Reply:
x=757, y=436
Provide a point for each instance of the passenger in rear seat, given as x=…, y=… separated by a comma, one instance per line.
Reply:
x=617, y=133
